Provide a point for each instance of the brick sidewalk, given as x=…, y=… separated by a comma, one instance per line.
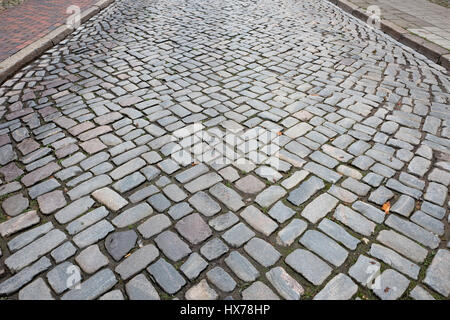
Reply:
x=421, y=17
x=23, y=24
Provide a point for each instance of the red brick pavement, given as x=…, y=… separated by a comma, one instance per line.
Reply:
x=25, y=23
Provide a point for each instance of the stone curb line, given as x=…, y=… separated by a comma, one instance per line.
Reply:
x=14, y=63
x=430, y=50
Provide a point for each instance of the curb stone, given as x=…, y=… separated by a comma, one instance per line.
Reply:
x=432, y=51
x=14, y=63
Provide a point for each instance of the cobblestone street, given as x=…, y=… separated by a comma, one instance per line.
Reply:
x=225, y=150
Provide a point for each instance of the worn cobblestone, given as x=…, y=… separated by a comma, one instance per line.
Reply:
x=242, y=150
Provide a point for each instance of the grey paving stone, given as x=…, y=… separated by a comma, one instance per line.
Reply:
x=436, y=193
x=93, y=287
x=324, y=247
x=19, y=223
x=437, y=276
x=213, y=249
x=93, y=234
x=221, y=279
x=262, y=252
x=154, y=225
x=358, y=148
x=258, y=220
x=355, y=186
x=172, y=246
x=433, y=210
x=150, y=172
x=322, y=172
x=404, y=205
x=204, y=204
x=132, y=215
x=23, y=277
x=341, y=287
x=363, y=162
x=111, y=199
x=314, y=269
x=238, y=235
x=35, y=250
x=381, y=195
x=342, y=194
x=418, y=293
x=159, y=202
x=64, y=251
x=15, y=205
x=428, y=222
x=392, y=285
x=413, y=231
x=369, y=211
x=43, y=187
x=285, y=285
x=399, y=187
x=86, y=220
x=127, y=168
x=395, y=260
x=319, y=207
x=7, y=154
x=74, y=209
x=439, y=176
x=133, y=124
x=139, y=288
x=354, y=220
x=305, y=191
x=193, y=266
x=64, y=276
x=51, y=201
x=137, y=261
x=338, y=233
x=10, y=187
x=418, y=166
x=203, y=182
x=179, y=210
x=118, y=244
x=174, y=193
x=193, y=228
x=373, y=179
x=241, y=267
x=191, y=173
x=166, y=276
x=91, y=259
x=143, y=193
x=290, y=232
x=89, y=186
x=280, y=212
x=36, y=290
x=259, y=291
x=129, y=182
x=227, y=196
x=223, y=221
x=27, y=237
x=269, y=196
x=294, y=179
x=365, y=271
x=201, y=291
x=403, y=245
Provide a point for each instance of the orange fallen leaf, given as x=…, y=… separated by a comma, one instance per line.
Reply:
x=386, y=207
x=279, y=133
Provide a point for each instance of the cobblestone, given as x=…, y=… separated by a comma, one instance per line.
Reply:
x=247, y=160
